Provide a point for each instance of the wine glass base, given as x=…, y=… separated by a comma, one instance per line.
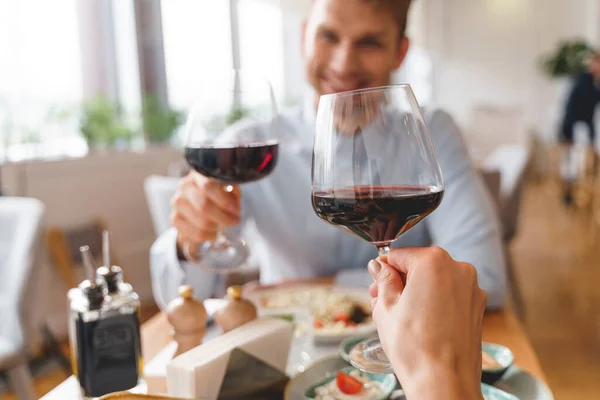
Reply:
x=368, y=356
x=224, y=256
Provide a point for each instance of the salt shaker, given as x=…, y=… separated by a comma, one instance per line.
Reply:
x=188, y=318
x=237, y=312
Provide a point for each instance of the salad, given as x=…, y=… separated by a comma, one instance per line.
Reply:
x=352, y=386
x=331, y=311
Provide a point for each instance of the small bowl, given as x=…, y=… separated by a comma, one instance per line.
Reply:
x=348, y=344
x=492, y=393
x=388, y=383
x=503, y=356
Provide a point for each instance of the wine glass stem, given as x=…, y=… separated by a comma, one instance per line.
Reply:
x=383, y=252
x=221, y=239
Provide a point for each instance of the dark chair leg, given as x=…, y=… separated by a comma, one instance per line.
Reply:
x=54, y=349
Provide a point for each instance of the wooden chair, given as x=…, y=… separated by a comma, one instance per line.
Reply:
x=63, y=247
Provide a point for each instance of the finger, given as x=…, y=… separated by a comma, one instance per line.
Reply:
x=389, y=286
x=373, y=304
x=374, y=268
x=191, y=233
x=214, y=191
x=373, y=290
x=400, y=258
x=182, y=207
x=392, y=228
x=217, y=215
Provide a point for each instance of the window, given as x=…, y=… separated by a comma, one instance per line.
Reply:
x=197, y=43
x=48, y=71
x=261, y=46
x=40, y=72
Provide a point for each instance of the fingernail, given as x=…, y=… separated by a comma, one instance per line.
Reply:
x=374, y=268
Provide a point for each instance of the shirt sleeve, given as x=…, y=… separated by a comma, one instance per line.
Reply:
x=168, y=273
x=466, y=222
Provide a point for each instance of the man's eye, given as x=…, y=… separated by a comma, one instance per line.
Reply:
x=329, y=36
x=373, y=43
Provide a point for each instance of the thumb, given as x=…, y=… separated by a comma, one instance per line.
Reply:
x=389, y=286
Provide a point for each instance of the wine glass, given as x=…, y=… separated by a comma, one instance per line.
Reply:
x=231, y=137
x=375, y=175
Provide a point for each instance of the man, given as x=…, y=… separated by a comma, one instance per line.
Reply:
x=347, y=44
x=580, y=107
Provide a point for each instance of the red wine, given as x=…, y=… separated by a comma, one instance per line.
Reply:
x=234, y=164
x=377, y=214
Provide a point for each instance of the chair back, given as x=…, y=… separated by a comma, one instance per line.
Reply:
x=159, y=191
x=21, y=221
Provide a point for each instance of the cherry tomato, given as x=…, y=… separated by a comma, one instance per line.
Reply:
x=343, y=317
x=348, y=384
x=318, y=324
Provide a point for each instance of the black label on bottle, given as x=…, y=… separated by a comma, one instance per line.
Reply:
x=108, y=354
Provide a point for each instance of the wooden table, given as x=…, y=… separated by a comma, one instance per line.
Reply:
x=498, y=327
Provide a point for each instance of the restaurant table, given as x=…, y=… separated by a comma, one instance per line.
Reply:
x=500, y=327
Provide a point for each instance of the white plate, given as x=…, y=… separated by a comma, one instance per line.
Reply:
x=524, y=385
x=322, y=336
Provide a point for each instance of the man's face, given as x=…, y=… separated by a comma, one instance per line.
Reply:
x=350, y=44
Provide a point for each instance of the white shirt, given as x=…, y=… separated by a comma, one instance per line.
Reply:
x=289, y=241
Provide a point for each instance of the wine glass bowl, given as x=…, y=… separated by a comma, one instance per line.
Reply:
x=375, y=174
x=232, y=138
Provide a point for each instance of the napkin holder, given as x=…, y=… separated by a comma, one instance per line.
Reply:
x=246, y=362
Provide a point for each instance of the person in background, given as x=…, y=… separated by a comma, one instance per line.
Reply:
x=346, y=45
x=580, y=108
x=436, y=352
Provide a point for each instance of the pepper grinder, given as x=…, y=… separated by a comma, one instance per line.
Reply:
x=188, y=318
x=237, y=312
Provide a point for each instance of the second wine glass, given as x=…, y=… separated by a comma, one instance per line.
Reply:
x=232, y=138
x=375, y=175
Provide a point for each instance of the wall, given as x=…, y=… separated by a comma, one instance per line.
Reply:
x=486, y=51
x=106, y=185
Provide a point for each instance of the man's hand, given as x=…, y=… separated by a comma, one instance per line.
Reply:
x=200, y=206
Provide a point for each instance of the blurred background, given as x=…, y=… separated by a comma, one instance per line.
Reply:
x=93, y=94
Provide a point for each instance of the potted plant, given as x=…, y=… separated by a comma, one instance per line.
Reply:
x=567, y=60
x=103, y=125
x=160, y=123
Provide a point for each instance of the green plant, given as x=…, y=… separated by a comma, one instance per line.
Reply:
x=220, y=122
x=159, y=122
x=567, y=60
x=102, y=123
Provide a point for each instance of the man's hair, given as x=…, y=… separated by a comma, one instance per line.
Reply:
x=399, y=8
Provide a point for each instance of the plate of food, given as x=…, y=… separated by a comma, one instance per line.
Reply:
x=337, y=313
x=353, y=384
x=515, y=384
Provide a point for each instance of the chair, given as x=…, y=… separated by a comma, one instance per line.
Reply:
x=492, y=126
x=159, y=191
x=511, y=161
x=20, y=229
x=63, y=247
